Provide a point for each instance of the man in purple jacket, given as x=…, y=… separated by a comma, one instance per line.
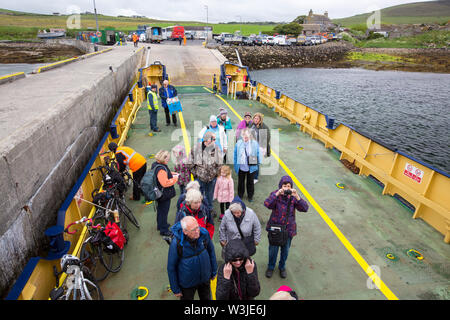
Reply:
x=283, y=203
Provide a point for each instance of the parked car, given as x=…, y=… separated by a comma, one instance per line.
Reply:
x=280, y=40
x=270, y=41
x=248, y=41
x=189, y=35
x=258, y=41
x=308, y=42
x=315, y=40
x=226, y=38
x=292, y=41
x=301, y=39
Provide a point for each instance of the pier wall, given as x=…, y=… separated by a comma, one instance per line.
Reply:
x=40, y=163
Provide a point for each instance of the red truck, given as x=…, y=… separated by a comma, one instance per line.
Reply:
x=178, y=31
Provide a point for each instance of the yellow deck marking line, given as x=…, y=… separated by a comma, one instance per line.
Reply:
x=188, y=151
x=364, y=265
x=11, y=75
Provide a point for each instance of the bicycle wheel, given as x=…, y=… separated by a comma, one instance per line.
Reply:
x=90, y=284
x=91, y=258
x=128, y=213
x=112, y=260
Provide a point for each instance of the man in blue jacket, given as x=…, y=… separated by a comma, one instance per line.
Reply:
x=168, y=91
x=191, y=263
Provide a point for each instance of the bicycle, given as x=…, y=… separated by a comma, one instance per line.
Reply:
x=79, y=283
x=116, y=187
x=98, y=252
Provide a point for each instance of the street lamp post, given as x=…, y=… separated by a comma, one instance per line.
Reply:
x=96, y=22
x=206, y=7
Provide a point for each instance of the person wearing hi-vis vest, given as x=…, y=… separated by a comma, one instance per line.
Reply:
x=126, y=156
x=153, y=106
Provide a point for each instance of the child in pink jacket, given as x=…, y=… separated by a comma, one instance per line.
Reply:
x=224, y=189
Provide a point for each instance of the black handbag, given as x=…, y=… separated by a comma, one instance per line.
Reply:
x=277, y=233
x=248, y=241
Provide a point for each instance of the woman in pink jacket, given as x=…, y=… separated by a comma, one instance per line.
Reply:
x=224, y=189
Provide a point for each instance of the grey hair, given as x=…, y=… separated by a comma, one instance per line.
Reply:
x=208, y=135
x=193, y=195
x=247, y=132
x=235, y=207
x=185, y=221
x=193, y=185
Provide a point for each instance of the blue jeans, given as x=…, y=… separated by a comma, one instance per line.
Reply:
x=273, y=253
x=153, y=119
x=162, y=211
x=207, y=189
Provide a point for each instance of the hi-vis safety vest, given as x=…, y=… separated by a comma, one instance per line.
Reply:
x=133, y=159
x=155, y=100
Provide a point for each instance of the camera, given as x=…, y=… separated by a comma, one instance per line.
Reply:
x=287, y=192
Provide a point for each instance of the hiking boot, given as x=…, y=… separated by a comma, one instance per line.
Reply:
x=269, y=273
x=283, y=273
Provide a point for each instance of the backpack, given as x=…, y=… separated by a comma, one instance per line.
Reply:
x=149, y=184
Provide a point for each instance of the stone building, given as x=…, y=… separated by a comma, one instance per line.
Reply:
x=315, y=23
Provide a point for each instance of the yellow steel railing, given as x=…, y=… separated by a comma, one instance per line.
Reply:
x=426, y=189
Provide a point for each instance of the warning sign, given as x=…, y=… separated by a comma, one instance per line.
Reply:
x=414, y=173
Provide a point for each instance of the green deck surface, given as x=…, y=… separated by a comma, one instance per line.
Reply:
x=319, y=266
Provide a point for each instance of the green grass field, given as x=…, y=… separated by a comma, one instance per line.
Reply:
x=410, y=13
x=23, y=26
x=433, y=39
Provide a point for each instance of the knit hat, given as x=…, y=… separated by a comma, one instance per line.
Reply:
x=222, y=111
x=284, y=288
x=212, y=118
x=248, y=114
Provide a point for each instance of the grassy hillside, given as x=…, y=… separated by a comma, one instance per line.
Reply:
x=411, y=13
x=20, y=26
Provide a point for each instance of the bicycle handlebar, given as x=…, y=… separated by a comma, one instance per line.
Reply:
x=82, y=220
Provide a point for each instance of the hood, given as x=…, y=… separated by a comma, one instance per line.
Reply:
x=285, y=179
x=238, y=200
x=235, y=248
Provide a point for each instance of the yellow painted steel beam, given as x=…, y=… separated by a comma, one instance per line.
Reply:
x=351, y=249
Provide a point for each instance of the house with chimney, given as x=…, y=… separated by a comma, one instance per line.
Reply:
x=315, y=23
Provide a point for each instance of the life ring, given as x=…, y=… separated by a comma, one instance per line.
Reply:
x=340, y=185
x=299, y=148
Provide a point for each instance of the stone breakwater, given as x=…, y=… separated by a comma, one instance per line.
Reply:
x=335, y=55
x=268, y=57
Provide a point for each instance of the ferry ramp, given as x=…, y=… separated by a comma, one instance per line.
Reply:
x=187, y=65
x=346, y=236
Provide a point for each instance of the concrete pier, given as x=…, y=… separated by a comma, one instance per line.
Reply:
x=50, y=125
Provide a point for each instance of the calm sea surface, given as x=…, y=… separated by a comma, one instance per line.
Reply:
x=408, y=111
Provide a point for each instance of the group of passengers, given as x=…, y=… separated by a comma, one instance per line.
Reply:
x=192, y=260
x=203, y=176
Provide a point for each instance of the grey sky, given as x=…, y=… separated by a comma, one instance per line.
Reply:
x=218, y=10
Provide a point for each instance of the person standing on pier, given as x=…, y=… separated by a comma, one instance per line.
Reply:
x=168, y=91
x=135, y=39
x=126, y=156
x=153, y=106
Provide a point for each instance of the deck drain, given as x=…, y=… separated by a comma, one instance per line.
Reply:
x=340, y=185
x=414, y=254
x=139, y=293
x=391, y=256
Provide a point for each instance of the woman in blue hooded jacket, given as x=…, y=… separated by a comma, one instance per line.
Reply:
x=191, y=261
